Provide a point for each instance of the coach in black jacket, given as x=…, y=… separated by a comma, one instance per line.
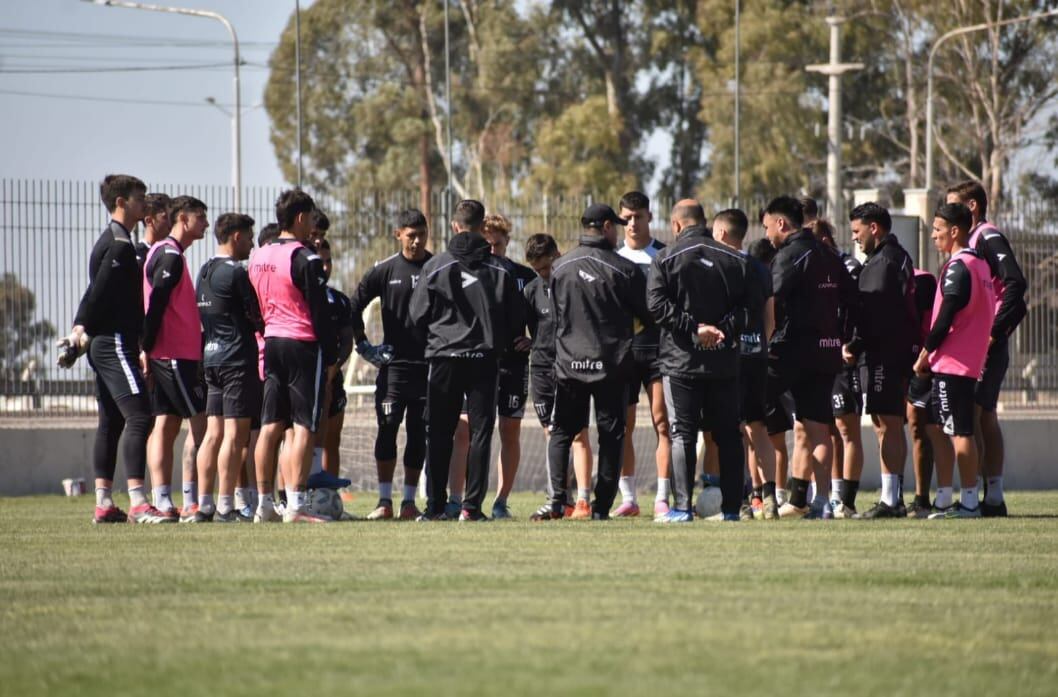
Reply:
x=466, y=307
x=596, y=297
x=699, y=293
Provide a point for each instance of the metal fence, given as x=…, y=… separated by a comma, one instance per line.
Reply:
x=47, y=229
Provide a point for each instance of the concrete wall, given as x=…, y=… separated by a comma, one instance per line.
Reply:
x=36, y=456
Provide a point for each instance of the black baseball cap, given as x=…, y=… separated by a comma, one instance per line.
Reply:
x=598, y=213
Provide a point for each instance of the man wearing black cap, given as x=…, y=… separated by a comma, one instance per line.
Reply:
x=597, y=296
x=467, y=307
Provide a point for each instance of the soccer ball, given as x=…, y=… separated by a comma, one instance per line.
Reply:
x=708, y=503
x=326, y=503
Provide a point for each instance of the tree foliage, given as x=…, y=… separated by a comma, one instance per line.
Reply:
x=564, y=96
x=21, y=338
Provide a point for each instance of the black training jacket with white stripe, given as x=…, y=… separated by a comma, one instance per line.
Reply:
x=596, y=296
x=696, y=280
x=467, y=304
x=813, y=290
x=113, y=302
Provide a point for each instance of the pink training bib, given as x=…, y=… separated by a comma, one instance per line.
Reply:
x=283, y=306
x=964, y=350
x=180, y=335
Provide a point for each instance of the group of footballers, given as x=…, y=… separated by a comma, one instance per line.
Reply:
x=733, y=348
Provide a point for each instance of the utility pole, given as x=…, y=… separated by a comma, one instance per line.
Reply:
x=834, y=70
x=297, y=77
x=738, y=104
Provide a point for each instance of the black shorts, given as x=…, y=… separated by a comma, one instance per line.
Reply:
x=811, y=393
x=847, y=396
x=179, y=387
x=339, y=400
x=294, y=383
x=752, y=388
x=513, y=389
x=886, y=390
x=542, y=384
x=233, y=391
x=398, y=388
x=953, y=403
x=117, y=366
x=646, y=369
x=996, y=363
x=920, y=396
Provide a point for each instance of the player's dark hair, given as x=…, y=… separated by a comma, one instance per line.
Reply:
x=872, y=213
x=290, y=204
x=789, y=208
x=809, y=207
x=469, y=214
x=410, y=218
x=971, y=190
x=956, y=214
x=762, y=250
x=823, y=231
x=539, y=246
x=267, y=234
x=736, y=221
x=635, y=201
x=230, y=223
x=155, y=203
x=320, y=221
x=185, y=204
x=115, y=186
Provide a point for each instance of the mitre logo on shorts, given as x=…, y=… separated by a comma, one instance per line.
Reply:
x=829, y=342
x=827, y=284
x=586, y=365
x=586, y=276
x=469, y=354
x=468, y=279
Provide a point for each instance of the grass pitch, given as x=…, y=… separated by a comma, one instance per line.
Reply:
x=512, y=608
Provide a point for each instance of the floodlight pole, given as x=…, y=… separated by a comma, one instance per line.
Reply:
x=834, y=69
x=929, y=76
x=448, y=121
x=236, y=158
x=297, y=77
x=738, y=104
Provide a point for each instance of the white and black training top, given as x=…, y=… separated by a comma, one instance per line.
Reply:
x=648, y=339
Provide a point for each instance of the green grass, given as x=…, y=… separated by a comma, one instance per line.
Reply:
x=799, y=607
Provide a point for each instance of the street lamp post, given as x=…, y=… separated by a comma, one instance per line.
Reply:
x=236, y=157
x=929, y=76
x=834, y=70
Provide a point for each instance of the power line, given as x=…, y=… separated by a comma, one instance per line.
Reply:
x=126, y=40
x=112, y=69
x=113, y=100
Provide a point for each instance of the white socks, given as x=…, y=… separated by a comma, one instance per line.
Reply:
x=664, y=487
x=968, y=497
x=628, y=489
x=994, y=492
x=317, y=461
x=409, y=492
x=104, y=498
x=163, y=499
x=584, y=494
x=944, y=497
x=190, y=494
x=225, y=504
x=385, y=490
x=137, y=497
x=295, y=500
x=205, y=503
x=891, y=490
